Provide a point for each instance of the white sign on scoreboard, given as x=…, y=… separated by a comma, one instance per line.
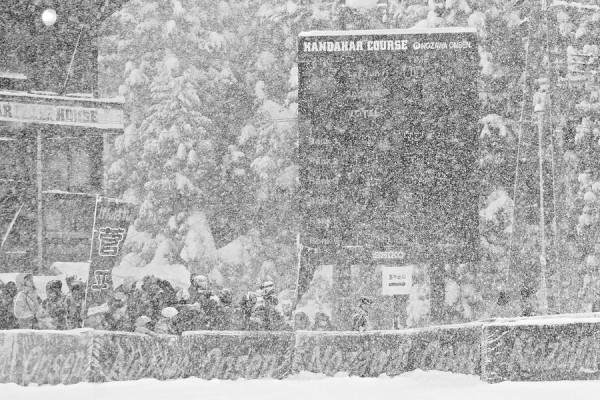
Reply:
x=396, y=280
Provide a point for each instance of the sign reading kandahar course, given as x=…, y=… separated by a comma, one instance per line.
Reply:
x=388, y=140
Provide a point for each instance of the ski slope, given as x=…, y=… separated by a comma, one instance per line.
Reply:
x=416, y=385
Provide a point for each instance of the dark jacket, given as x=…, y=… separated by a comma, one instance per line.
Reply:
x=56, y=311
x=7, y=317
x=360, y=321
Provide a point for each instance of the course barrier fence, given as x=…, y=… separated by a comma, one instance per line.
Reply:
x=496, y=350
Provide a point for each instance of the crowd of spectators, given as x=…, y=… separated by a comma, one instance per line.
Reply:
x=155, y=307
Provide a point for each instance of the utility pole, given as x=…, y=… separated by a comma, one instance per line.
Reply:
x=540, y=114
x=540, y=109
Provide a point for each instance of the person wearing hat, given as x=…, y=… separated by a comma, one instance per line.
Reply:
x=165, y=326
x=74, y=303
x=54, y=306
x=27, y=305
x=118, y=317
x=140, y=325
x=301, y=321
x=322, y=322
x=360, y=320
x=199, y=289
x=271, y=317
x=268, y=293
x=247, y=305
x=226, y=315
x=204, y=303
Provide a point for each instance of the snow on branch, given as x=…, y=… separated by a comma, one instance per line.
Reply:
x=573, y=4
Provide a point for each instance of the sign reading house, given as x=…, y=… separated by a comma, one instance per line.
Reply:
x=60, y=110
x=388, y=139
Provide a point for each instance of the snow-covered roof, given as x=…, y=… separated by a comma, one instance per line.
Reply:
x=12, y=75
x=117, y=101
x=70, y=193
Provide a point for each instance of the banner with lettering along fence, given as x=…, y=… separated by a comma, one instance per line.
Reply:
x=123, y=356
x=232, y=355
x=454, y=349
x=44, y=357
x=111, y=223
x=541, y=350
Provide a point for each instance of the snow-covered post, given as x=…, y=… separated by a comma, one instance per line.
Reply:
x=437, y=281
x=540, y=100
x=39, y=168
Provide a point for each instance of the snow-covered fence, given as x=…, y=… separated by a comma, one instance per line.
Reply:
x=453, y=348
x=555, y=348
x=123, y=356
x=231, y=355
x=542, y=349
x=44, y=357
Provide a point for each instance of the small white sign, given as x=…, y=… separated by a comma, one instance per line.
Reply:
x=396, y=280
x=101, y=309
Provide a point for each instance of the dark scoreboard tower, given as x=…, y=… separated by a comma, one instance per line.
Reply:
x=388, y=148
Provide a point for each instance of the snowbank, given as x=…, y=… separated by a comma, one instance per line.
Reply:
x=411, y=385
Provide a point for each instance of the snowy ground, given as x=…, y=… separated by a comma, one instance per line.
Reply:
x=415, y=385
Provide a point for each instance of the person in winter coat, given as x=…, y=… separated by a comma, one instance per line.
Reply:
x=258, y=317
x=54, y=306
x=322, y=322
x=270, y=315
x=165, y=326
x=169, y=294
x=141, y=326
x=301, y=321
x=247, y=305
x=204, y=302
x=287, y=313
x=118, y=318
x=135, y=299
x=360, y=320
x=74, y=304
x=199, y=289
x=225, y=312
x=27, y=304
x=187, y=319
x=8, y=292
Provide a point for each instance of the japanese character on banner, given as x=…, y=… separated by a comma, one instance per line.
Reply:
x=101, y=277
x=110, y=240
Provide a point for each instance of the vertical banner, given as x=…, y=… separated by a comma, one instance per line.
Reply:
x=112, y=219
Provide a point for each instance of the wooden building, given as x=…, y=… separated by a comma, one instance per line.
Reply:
x=53, y=130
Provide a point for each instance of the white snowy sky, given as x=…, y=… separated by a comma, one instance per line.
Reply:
x=416, y=385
